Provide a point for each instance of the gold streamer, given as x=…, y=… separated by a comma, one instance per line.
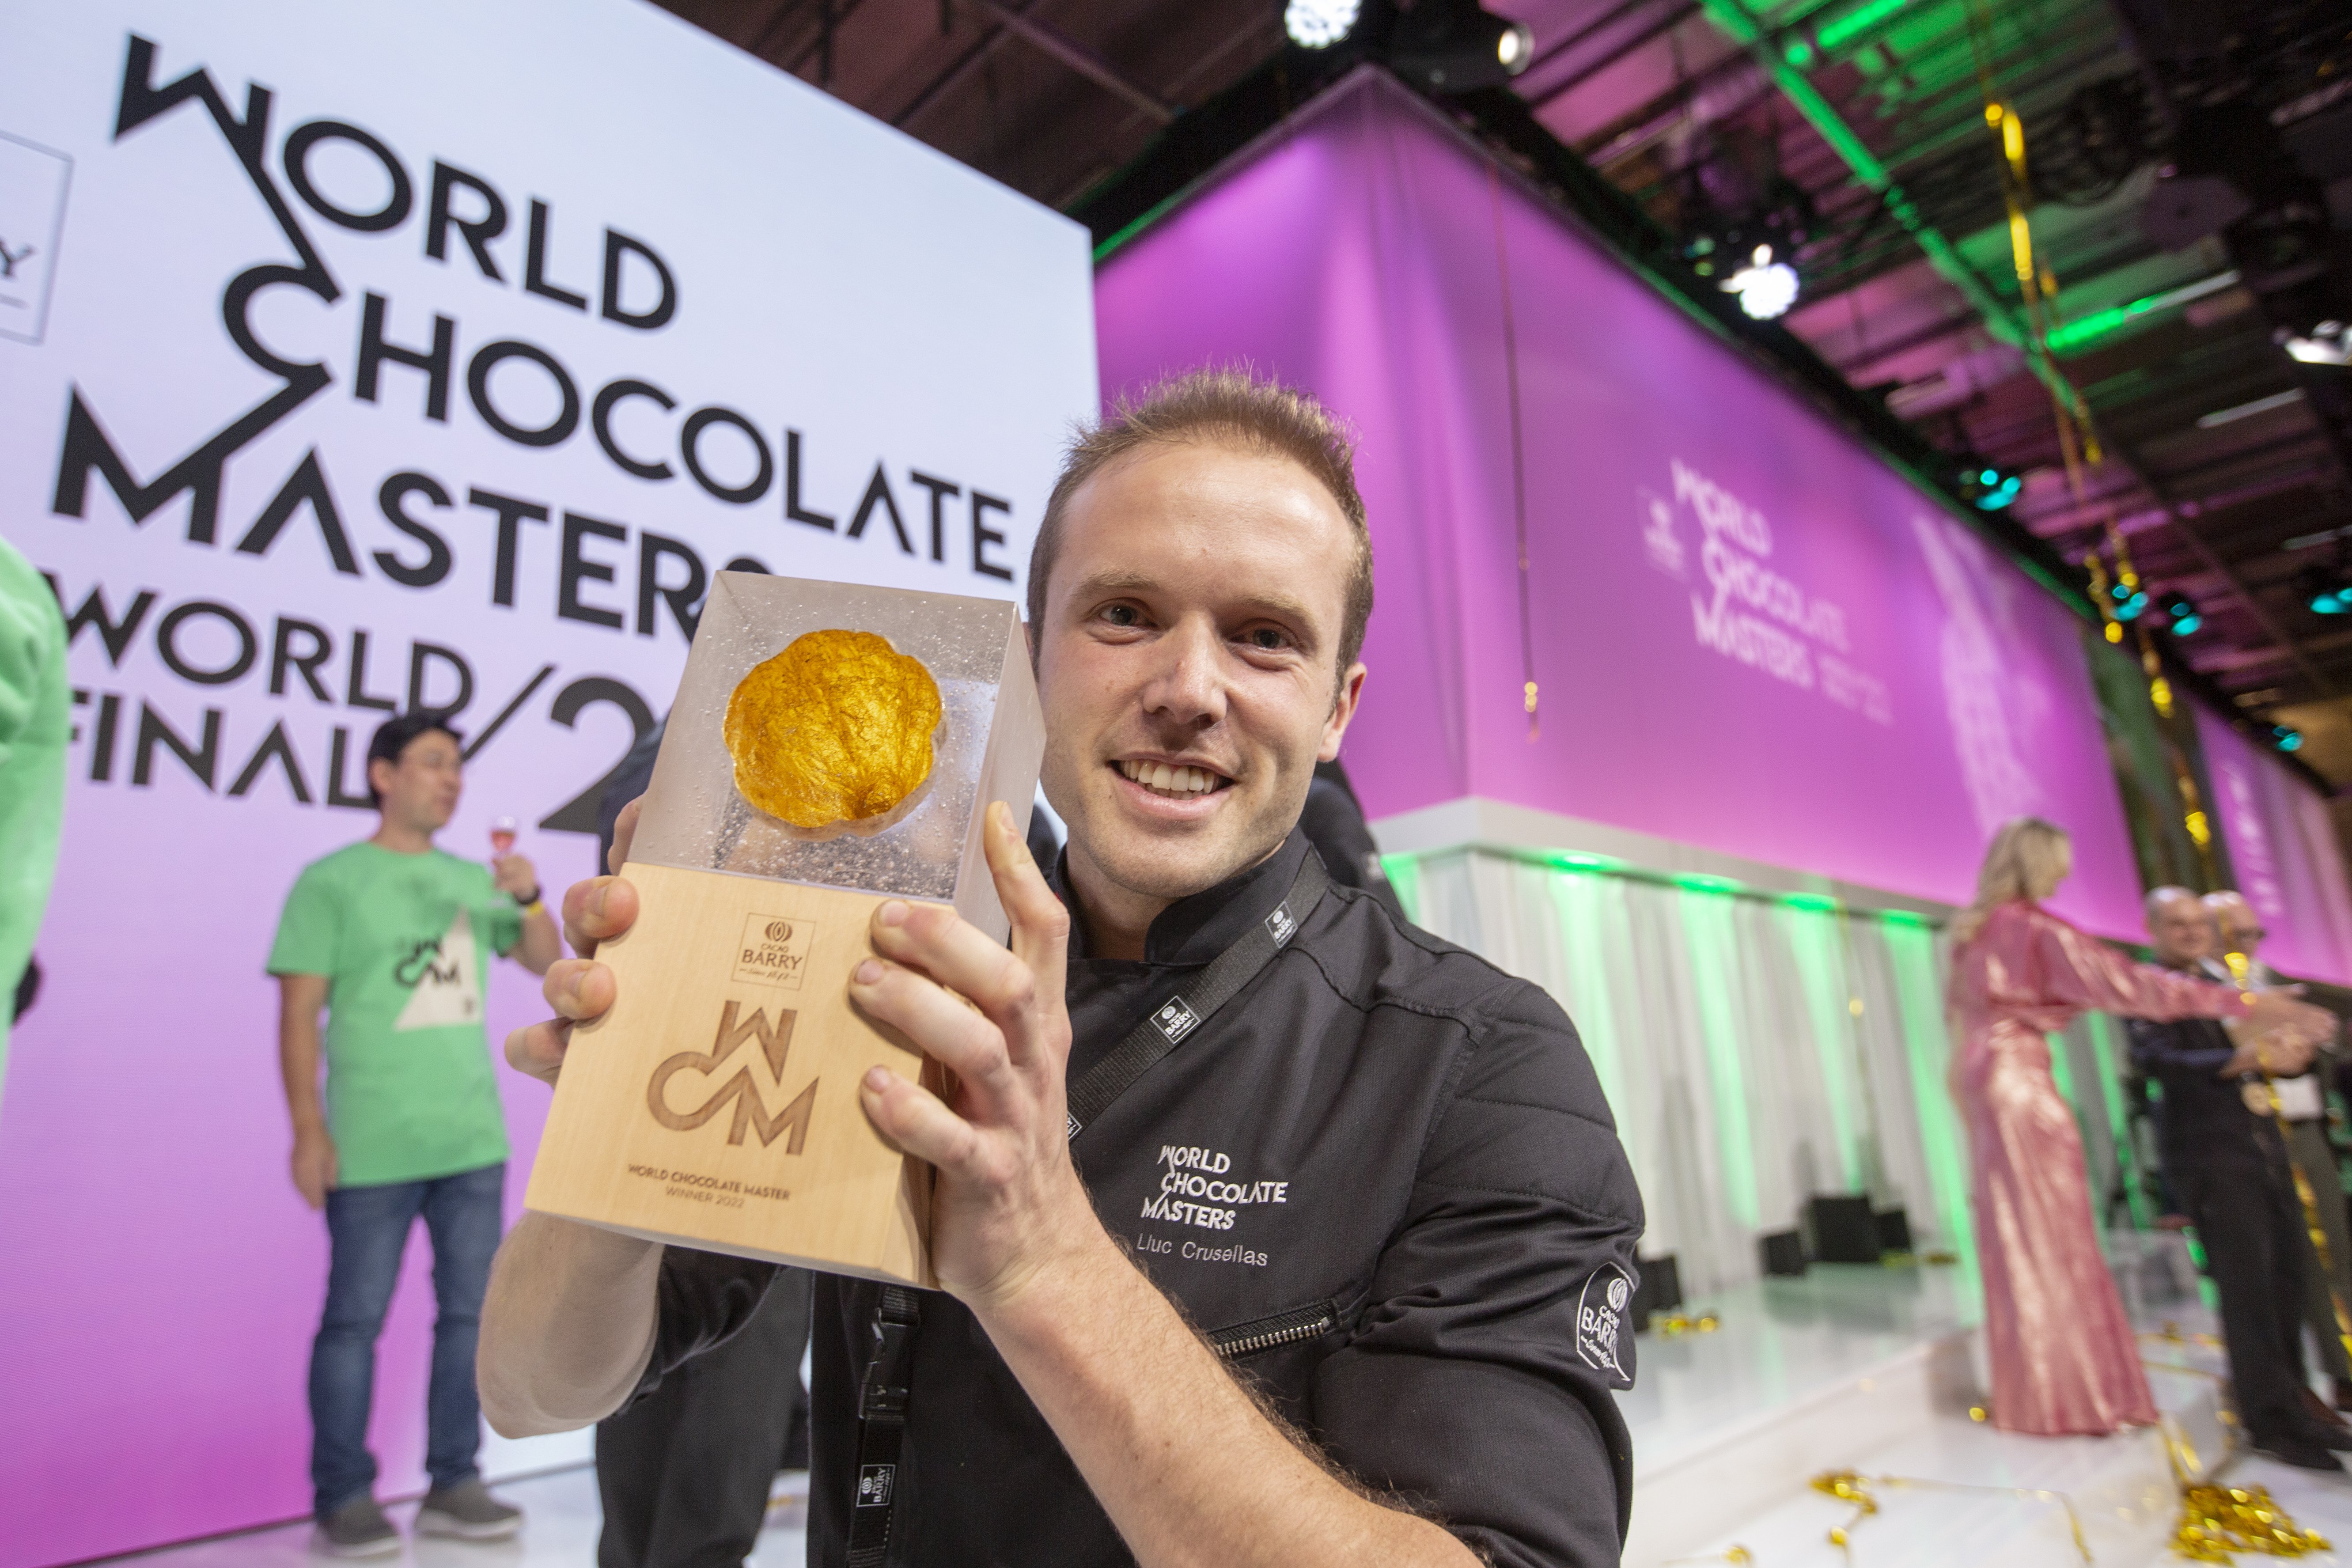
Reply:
x=2159, y=692
x=1675, y=1325
x=1518, y=455
x=2170, y=1334
x=1852, y=1488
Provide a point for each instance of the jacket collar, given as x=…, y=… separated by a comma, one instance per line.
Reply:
x=1195, y=929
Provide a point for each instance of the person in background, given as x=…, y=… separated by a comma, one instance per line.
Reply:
x=685, y=1474
x=1333, y=823
x=33, y=724
x=392, y=937
x=2302, y=1107
x=2065, y=1357
x=2228, y=1165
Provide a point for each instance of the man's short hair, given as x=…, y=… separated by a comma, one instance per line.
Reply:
x=392, y=736
x=1225, y=403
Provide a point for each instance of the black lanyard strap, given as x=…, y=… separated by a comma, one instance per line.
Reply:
x=1165, y=1028
x=882, y=1402
x=882, y=1426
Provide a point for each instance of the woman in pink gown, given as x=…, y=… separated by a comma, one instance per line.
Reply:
x=2064, y=1359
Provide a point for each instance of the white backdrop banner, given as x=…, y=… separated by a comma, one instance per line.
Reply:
x=355, y=358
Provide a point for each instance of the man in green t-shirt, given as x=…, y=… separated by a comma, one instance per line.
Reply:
x=391, y=938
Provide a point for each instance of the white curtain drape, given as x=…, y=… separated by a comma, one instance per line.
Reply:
x=1757, y=1050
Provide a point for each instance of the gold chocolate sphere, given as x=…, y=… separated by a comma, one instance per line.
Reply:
x=836, y=728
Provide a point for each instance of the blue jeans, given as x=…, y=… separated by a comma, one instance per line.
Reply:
x=368, y=1229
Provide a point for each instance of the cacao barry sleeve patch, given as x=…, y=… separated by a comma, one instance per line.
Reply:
x=1600, y=1323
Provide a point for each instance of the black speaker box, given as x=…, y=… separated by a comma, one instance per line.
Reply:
x=1843, y=1230
x=1893, y=1230
x=1784, y=1252
x=1661, y=1290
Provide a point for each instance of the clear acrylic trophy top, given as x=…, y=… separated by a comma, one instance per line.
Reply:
x=987, y=747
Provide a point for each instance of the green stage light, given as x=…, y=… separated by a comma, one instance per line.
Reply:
x=2082, y=335
x=1853, y=24
x=2185, y=616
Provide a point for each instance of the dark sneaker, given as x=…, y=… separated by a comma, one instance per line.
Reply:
x=468, y=1511
x=2294, y=1450
x=358, y=1529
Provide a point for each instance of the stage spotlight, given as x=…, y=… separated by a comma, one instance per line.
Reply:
x=2285, y=739
x=2130, y=600
x=1455, y=46
x=1987, y=487
x=1766, y=288
x=2185, y=616
x=2330, y=343
x=1319, y=23
x=2323, y=590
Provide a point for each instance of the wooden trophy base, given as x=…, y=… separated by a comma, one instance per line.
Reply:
x=717, y=1106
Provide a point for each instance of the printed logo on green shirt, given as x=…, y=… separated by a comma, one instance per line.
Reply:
x=440, y=973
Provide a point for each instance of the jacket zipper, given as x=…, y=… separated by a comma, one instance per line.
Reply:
x=1281, y=1328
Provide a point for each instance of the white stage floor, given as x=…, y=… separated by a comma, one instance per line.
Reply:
x=1855, y=1367
x=1780, y=1340
x=1874, y=1370
x=558, y=1531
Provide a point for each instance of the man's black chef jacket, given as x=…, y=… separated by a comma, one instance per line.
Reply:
x=1380, y=1129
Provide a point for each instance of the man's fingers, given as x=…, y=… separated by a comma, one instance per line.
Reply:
x=537, y=1051
x=580, y=989
x=943, y=1024
x=597, y=911
x=936, y=942
x=1041, y=926
x=625, y=832
x=914, y=1119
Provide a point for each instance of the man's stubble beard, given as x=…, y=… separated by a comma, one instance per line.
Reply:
x=1142, y=869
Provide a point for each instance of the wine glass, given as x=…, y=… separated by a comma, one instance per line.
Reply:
x=502, y=836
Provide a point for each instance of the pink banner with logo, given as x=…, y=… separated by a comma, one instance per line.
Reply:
x=2284, y=845
x=1748, y=632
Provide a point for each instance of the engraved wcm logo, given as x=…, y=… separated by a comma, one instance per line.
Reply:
x=740, y=1092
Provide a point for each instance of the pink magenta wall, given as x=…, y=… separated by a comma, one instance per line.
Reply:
x=1749, y=633
x=2283, y=843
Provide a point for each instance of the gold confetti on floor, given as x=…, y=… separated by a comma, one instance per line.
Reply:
x=2217, y=1523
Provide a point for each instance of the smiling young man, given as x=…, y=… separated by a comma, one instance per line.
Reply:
x=1271, y=1230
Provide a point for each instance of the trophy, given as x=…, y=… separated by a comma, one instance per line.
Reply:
x=831, y=747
